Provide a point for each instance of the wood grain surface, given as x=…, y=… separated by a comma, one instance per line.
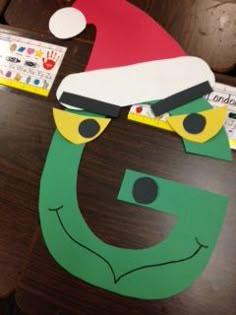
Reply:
x=27, y=271
x=206, y=29
x=16, y=14
x=3, y=5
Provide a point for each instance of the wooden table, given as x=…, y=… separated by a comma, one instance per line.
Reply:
x=17, y=15
x=29, y=273
x=40, y=12
x=203, y=28
x=3, y=4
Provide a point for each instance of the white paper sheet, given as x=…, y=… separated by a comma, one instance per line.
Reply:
x=152, y=80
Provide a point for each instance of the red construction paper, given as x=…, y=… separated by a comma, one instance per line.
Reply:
x=125, y=35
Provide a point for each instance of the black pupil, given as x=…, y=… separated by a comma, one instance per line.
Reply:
x=194, y=123
x=89, y=128
x=145, y=190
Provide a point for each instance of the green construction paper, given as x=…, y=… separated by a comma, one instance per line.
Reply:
x=217, y=147
x=200, y=215
x=152, y=273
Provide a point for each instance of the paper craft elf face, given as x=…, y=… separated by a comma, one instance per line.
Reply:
x=171, y=266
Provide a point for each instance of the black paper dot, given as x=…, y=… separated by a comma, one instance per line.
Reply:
x=89, y=128
x=194, y=123
x=145, y=190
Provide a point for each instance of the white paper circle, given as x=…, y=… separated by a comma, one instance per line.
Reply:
x=67, y=23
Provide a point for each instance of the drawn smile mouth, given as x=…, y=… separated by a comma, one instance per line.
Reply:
x=116, y=278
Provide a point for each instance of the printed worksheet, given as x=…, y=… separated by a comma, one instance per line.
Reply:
x=28, y=64
x=226, y=95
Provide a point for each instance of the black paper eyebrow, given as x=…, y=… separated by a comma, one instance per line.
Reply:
x=181, y=98
x=89, y=104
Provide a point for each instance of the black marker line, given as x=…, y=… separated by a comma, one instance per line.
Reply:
x=82, y=245
x=115, y=279
x=165, y=263
x=55, y=209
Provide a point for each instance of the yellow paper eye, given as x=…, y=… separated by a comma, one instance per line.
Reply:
x=199, y=127
x=79, y=129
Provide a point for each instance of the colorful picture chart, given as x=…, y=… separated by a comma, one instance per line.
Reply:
x=28, y=64
x=226, y=95
x=222, y=95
